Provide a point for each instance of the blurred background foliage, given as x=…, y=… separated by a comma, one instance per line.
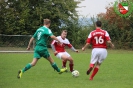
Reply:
x=24, y=17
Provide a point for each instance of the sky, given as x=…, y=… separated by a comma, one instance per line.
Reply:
x=93, y=7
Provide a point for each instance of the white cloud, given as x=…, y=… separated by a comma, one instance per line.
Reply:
x=93, y=7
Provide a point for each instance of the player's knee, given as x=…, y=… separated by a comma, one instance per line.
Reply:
x=98, y=65
x=33, y=64
x=71, y=60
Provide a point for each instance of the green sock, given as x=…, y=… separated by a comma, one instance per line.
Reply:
x=28, y=66
x=55, y=67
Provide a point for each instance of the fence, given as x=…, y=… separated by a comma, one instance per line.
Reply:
x=18, y=43
x=14, y=43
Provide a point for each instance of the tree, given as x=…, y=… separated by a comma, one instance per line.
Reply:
x=24, y=17
x=119, y=28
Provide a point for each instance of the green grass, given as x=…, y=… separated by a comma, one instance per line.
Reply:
x=115, y=72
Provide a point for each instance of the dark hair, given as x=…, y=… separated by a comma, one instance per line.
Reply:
x=64, y=31
x=98, y=23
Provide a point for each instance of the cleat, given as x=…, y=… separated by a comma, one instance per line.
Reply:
x=62, y=70
x=88, y=72
x=65, y=67
x=19, y=74
x=66, y=70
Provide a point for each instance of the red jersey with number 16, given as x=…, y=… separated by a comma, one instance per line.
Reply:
x=98, y=38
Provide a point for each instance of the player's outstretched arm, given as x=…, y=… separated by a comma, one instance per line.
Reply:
x=54, y=37
x=73, y=49
x=53, y=47
x=85, y=46
x=30, y=42
x=111, y=44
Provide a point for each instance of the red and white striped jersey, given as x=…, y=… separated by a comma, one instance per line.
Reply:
x=98, y=38
x=61, y=48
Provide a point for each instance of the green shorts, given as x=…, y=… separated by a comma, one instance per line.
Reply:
x=41, y=51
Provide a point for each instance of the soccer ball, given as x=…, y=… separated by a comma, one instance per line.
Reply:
x=75, y=73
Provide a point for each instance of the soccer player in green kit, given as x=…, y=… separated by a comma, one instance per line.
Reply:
x=41, y=36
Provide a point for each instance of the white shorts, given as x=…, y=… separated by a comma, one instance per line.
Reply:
x=62, y=53
x=98, y=55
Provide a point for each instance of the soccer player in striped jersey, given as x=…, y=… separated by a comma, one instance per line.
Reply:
x=59, y=50
x=97, y=39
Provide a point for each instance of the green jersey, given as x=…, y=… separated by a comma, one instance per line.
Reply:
x=41, y=36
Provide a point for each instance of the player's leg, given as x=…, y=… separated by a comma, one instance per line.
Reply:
x=46, y=55
x=33, y=63
x=95, y=70
x=64, y=62
x=67, y=57
x=37, y=56
x=93, y=61
x=27, y=67
x=101, y=58
x=71, y=64
x=91, y=66
x=55, y=66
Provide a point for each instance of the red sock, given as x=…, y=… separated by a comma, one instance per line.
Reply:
x=94, y=72
x=92, y=65
x=64, y=63
x=90, y=69
x=71, y=67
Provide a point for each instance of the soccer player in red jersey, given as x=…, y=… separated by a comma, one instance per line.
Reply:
x=97, y=39
x=59, y=50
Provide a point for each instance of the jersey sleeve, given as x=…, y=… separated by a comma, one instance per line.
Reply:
x=53, y=42
x=107, y=36
x=89, y=38
x=68, y=44
x=50, y=32
x=52, y=45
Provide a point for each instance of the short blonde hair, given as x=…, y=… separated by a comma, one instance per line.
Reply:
x=46, y=21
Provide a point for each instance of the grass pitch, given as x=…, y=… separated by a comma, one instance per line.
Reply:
x=115, y=72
